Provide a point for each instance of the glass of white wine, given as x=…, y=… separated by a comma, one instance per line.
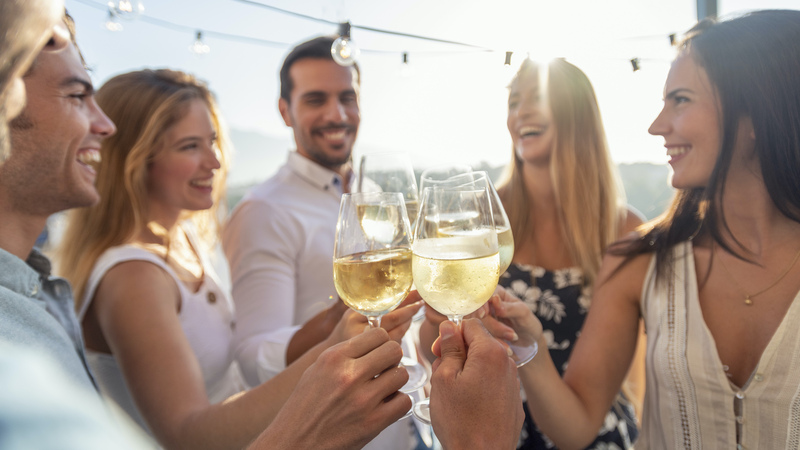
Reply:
x=440, y=173
x=372, y=260
x=390, y=172
x=525, y=348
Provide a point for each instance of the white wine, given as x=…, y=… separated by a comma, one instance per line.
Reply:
x=379, y=222
x=505, y=241
x=455, y=275
x=375, y=282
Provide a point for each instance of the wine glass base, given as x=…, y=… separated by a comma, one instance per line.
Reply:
x=422, y=411
x=417, y=375
x=523, y=354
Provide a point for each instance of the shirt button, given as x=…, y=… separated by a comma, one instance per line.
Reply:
x=759, y=377
x=740, y=395
x=212, y=297
x=35, y=289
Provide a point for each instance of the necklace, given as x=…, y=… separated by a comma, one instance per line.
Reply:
x=748, y=297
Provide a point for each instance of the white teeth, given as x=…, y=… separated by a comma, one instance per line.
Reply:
x=89, y=156
x=675, y=151
x=534, y=130
x=203, y=183
x=334, y=134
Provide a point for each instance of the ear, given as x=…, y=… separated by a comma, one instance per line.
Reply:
x=283, y=107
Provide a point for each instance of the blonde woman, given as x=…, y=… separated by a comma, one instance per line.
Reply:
x=565, y=204
x=156, y=323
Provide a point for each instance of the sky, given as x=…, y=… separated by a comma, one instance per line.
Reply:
x=448, y=104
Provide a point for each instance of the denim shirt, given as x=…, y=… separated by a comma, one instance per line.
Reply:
x=37, y=311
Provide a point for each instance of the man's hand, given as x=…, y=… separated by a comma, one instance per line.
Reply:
x=396, y=323
x=475, y=400
x=339, y=403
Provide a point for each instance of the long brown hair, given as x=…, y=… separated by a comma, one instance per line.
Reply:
x=752, y=62
x=588, y=192
x=144, y=105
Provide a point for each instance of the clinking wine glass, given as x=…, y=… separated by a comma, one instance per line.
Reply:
x=372, y=259
x=441, y=173
x=455, y=258
x=525, y=347
x=390, y=172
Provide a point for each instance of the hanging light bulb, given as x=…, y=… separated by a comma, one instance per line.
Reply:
x=508, y=59
x=199, y=47
x=127, y=9
x=343, y=50
x=636, y=64
x=112, y=24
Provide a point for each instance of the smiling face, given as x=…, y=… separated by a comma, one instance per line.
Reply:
x=530, y=119
x=689, y=123
x=56, y=138
x=323, y=110
x=181, y=174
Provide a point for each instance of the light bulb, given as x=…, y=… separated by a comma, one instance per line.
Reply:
x=343, y=50
x=112, y=24
x=199, y=47
x=405, y=69
x=127, y=9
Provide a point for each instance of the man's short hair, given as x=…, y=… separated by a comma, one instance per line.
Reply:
x=317, y=48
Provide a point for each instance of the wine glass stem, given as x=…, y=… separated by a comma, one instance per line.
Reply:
x=374, y=321
x=456, y=319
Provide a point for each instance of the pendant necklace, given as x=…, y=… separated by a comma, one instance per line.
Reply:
x=748, y=298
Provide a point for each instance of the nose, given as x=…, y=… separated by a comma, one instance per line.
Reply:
x=214, y=155
x=660, y=125
x=335, y=112
x=101, y=125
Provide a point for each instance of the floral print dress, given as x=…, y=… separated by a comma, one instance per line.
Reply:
x=561, y=302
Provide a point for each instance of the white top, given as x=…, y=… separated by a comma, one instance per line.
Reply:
x=207, y=319
x=689, y=401
x=279, y=243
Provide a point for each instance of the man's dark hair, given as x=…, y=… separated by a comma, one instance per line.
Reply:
x=317, y=48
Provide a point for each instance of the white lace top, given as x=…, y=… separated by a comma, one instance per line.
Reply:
x=689, y=402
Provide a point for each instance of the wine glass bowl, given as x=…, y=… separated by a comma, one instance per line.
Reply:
x=389, y=172
x=372, y=254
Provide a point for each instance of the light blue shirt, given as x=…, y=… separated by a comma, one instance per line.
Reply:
x=37, y=312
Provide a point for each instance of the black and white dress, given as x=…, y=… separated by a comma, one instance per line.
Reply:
x=561, y=302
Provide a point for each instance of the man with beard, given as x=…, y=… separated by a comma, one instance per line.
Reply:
x=279, y=239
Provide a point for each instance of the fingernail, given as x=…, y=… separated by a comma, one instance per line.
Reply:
x=447, y=329
x=514, y=337
x=481, y=313
x=509, y=352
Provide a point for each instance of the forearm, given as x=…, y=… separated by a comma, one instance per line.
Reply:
x=313, y=332
x=556, y=408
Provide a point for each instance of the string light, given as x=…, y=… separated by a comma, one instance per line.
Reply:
x=343, y=50
x=199, y=47
x=405, y=69
x=127, y=9
x=508, y=59
x=636, y=64
x=112, y=24
x=672, y=39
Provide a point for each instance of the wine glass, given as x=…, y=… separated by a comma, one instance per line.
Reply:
x=441, y=173
x=455, y=259
x=393, y=172
x=390, y=172
x=372, y=259
x=525, y=348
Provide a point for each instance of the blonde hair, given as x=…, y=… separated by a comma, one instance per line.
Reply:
x=588, y=192
x=144, y=105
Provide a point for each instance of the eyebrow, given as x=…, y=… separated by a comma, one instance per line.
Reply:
x=77, y=80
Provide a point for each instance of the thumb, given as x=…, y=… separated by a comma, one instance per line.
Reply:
x=451, y=344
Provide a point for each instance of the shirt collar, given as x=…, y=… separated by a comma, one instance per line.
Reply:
x=321, y=177
x=21, y=277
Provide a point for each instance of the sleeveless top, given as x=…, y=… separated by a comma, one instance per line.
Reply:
x=560, y=302
x=690, y=403
x=207, y=319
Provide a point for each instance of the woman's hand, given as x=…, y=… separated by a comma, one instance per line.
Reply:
x=396, y=322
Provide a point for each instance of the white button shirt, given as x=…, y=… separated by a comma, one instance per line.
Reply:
x=279, y=243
